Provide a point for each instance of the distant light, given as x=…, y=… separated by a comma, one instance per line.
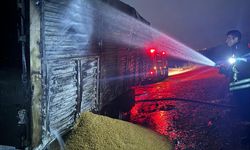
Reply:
x=155, y=67
x=151, y=72
x=163, y=53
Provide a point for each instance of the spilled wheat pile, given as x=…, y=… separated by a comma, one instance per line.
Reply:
x=96, y=132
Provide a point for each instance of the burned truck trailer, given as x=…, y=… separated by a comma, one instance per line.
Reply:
x=63, y=58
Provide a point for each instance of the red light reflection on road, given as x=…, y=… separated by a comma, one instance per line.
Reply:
x=157, y=116
x=182, y=122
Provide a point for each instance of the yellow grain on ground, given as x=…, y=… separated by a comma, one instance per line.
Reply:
x=96, y=132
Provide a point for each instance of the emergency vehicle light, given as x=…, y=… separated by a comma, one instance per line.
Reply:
x=152, y=50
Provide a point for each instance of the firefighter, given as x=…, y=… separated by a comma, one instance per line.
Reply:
x=239, y=55
x=233, y=60
x=240, y=79
x=236, y=65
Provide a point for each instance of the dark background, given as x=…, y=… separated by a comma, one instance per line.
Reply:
x=197, y=23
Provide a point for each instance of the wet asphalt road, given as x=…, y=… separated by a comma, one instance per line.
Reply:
x=193, y=110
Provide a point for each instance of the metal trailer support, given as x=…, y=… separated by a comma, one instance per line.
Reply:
x=35, y=73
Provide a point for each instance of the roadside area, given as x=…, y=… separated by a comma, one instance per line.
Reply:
x=193, y=109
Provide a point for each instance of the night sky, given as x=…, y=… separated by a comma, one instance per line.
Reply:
x=197, y=23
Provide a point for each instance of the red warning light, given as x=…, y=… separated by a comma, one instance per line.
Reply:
x=151, y=72
x=152, y=50
x=163, y=53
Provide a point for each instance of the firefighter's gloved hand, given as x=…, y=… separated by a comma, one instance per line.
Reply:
x=223, y=69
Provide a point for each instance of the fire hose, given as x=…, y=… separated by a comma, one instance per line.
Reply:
x=185, y=100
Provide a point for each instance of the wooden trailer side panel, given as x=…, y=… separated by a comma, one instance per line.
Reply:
x=117, y=62
x=70, y=71
x=82, y=65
